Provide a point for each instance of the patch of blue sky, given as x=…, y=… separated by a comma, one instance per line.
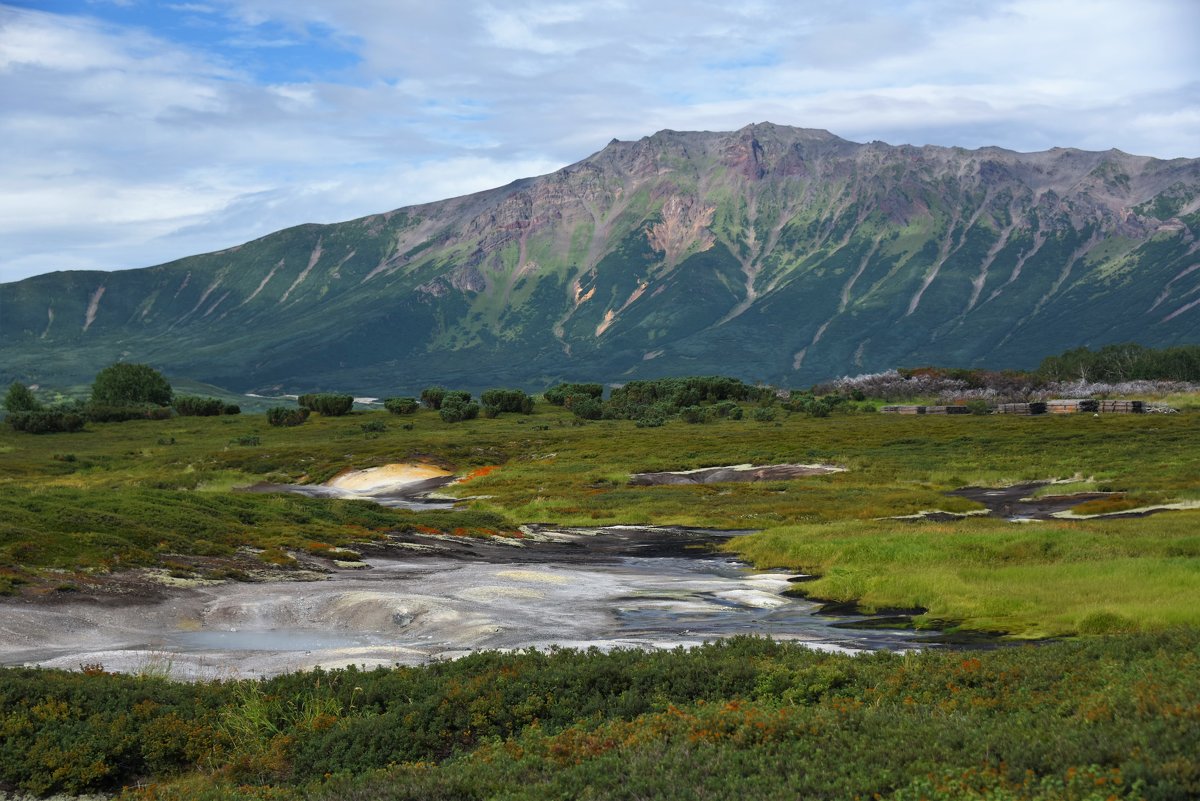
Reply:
x=269, y=52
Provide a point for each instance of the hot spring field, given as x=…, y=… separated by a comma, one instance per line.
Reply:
x=1088, y=689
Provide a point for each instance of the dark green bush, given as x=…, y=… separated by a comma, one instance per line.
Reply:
x=232, y=408
x=559, y=394
x=373, y=427
x=326, y=403
x=507, y=400
x=283, y=416
x=672, y=394
x=193, y=406
x=45, y=421
x=692, y=414
x=401, y=405
x=123, y=384
x=101, y=413
x=432, y=397
x=764, y=415
x=455, y=408
x=726, y=408
x=586, y=407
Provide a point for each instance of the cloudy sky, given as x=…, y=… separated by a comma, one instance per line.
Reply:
x=135, y=132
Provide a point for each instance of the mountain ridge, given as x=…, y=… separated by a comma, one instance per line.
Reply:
x=775, y=253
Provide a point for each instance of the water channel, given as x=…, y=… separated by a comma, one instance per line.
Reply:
x=423, y=598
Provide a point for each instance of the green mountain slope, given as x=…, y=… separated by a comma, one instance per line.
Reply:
x=773, y=253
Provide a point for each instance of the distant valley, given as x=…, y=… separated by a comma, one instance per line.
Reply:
x=771, y=253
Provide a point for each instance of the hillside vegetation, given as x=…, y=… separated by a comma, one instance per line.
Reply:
x=782, y=254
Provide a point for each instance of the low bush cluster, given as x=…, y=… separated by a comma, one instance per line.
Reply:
x=46, y=421
x=326, y=403
x=496, y=401
x=744, y=717
x=286, y=417
x=195, y=406
x=432, y=397
x=401, y=405
x=457, y=406
x=101, y=413
x=560, y=394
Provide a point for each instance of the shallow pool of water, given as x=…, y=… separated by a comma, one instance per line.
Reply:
x=579, y=588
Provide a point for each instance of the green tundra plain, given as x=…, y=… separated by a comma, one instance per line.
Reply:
x=1089, y=690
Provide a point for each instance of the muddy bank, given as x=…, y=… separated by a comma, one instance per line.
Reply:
x=741, y=472
x=427, y=598
x=1017, y=503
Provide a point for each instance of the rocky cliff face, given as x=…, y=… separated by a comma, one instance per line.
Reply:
x=771, y=253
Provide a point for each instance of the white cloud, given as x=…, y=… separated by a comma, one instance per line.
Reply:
x=126, y=147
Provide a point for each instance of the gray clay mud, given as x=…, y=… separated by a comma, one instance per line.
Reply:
x=428, y=598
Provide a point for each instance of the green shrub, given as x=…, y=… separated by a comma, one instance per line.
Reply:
x=232, y=408
x=725, y=408
x=507, y=400
x=283, y=416
x=123, y=384
x=455, y=409
x=586, y=407
x=328, y=404
x=650, y=420
x=559, y=393
x=45, y=422
x=193, y=406
x=20, y=399
x=432, y=397
x=373, y=427
x=692, y=414
x=764, y=414
x=103, y=413
x=978, y=406
x=818, y=409
x=401, y=405
x=246, y=440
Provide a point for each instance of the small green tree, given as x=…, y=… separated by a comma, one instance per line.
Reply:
x=124, y=384
x=20, y=399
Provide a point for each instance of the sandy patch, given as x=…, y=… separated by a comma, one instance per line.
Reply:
x=389, y=477
x=486, y=594
x=531, y=576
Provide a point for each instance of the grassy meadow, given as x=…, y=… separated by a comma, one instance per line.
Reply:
x=1110, y=713
x=146, y=493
